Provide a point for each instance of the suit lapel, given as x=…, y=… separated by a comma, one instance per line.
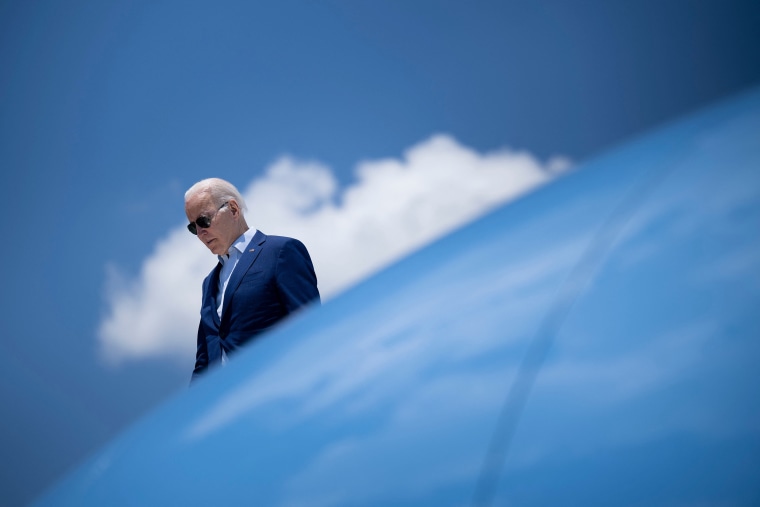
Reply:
x=211, y=289
x=249, y=256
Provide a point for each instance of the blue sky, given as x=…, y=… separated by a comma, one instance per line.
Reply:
x=325, y=113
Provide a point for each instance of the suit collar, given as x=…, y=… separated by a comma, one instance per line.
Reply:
x=258, y=239
x=238, y=247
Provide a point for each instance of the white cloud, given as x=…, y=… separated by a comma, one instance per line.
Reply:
x=395, y=207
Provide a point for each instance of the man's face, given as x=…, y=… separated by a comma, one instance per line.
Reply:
x=223, y=229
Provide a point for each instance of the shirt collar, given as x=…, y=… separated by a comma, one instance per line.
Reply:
x=238, y=246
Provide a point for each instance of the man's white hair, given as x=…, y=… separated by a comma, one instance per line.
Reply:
x=220, y=191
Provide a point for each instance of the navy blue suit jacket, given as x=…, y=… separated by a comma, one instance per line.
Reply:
x=273, y=278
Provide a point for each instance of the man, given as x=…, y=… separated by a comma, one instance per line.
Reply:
x=259, y=279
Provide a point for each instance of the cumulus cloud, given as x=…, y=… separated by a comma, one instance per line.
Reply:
x=394, y=207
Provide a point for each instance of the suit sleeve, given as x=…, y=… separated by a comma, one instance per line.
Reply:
x=296, y=279
x=201, y=355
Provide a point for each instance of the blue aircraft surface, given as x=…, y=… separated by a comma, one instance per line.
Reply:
x=594, y=343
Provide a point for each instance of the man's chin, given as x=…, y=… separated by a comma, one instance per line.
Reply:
x=214, y=247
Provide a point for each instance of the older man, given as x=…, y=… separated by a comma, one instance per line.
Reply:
x=259, y=279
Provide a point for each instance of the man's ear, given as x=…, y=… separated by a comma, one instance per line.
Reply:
x=234, y=208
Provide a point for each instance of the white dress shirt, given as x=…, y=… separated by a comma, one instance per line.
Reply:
x=229, y=261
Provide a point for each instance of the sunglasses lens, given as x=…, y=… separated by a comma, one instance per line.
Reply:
x=202, y=222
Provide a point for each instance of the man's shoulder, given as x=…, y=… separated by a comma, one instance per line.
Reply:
x=279, y=241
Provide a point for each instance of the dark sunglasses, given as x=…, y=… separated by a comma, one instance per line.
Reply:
x=203, y=222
